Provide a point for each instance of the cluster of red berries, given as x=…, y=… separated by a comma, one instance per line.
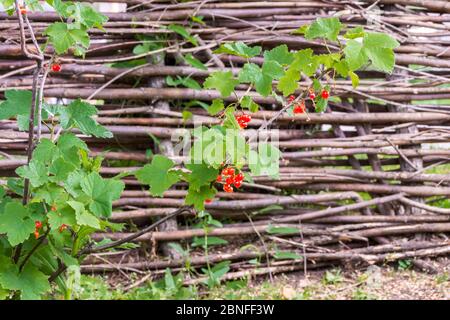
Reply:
x=243, y=120
x=56, y=67
x=228, y=174
x=324, y=94
x=38, y=225
x=299, y=107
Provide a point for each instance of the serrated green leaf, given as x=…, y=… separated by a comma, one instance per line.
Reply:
x=18, y=102
x=216, y=106
x=80, y=114
x=248, y=103
x=327, y=28
x=64, y=215
x=289, y=82
x=83, y=217
x=223, y=81
x=64, y=36
x=305, y=61
x=45, y=151
x=354, y=33
x=158, y=175
x=35, y=171
x=382, y=59
x=379, y=40
x=355, y=54
x=197, y=197
x=194, y=62
x=31, y=282
x=16, y=223
x=201, y=175
x=239, y=49
x=102, y=193
x=60, y=169
x=183, y=32
x=279, y=54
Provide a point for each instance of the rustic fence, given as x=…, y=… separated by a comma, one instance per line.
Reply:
x=358, y=182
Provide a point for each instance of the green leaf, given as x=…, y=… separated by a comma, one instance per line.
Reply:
x=379, y=40
x=83, y=217
x=249, y=73
x=61, y=170
x=376, y=47
x=382, y=59
x=321, y=105
x=183, y=32
x=31, y=282
x=279, y=54
x=65, y=215
x=301, y=30
x=289, y=82
x=239, y=49
x=45, y=151
x=64, y=36
x=355, y=79
x=248, y=103
x=272, y=69
x=281, y=230
x=327, y=28
x=158, y=175
x=18, y=102
x=355, y=54
x=183, y=81
x=89, y=17
x=216, y=106
x=36, y=172
x=197, y=197
x=102, y=193
x=286, y=255
x=79, y=114
x=305, y=61
x=194, y=62
x=354, y=33
x=209, y=241
x=15, y=222
x=223, y=81
x=201, y=175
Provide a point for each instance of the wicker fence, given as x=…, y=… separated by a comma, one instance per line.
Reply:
x=359, y=182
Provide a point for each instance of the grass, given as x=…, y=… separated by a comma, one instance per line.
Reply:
x=373, y=284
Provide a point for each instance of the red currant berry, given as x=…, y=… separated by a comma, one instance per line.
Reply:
x=325, y=94
x=237, y=184
x=299, y=108
x=239, y=177
x=312, y=95
x=246, y=118
x=229, y=180
x=228, y=188
x=53, y=208
x=38, y=224
x=291, y=98
x=56, y=67
x=208, y=200
x=36, y=234
x=62, y=228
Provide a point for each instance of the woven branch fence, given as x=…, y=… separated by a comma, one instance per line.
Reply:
x=357, y=182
